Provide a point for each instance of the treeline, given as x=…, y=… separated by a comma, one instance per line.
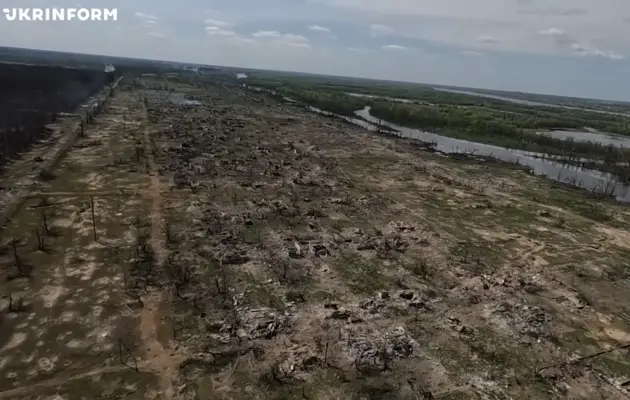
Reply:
x=559, y=118
x=335, y=102
x=522, y=116
x=466, y=117
x=32, y=97
x=509, y=130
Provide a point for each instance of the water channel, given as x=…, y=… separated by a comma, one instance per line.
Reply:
x=538, y=163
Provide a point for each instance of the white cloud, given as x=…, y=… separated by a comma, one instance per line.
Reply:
x=586, y=51
x=156, y=34
x=318, y=28
x=287, y=39
x=559, y=37
x=518, y=24
x=266, y=34
x=486, y=39
x=214, y=22
x=552, y=32
x=144, y=16
x=565, y=40
x=592, y=29
x=148, y=21
x=394, y=47
x=216, y=31
x=380, y=30
x=297, y=38
x=292, y=40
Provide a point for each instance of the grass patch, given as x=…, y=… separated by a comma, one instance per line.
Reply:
x=478, y=252
x=361, y=276
x=578, y=340
x=261, y=296
x=616, y=366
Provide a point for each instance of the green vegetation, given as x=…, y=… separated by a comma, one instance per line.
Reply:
x=501, y=128
x=332, y=101
x=362, y=276
x=462, y=116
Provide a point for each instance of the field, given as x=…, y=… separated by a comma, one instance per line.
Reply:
x=247, y=249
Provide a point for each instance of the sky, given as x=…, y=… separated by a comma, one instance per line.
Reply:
x=567, y=47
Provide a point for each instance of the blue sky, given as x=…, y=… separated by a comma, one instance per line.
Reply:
x=570, y=47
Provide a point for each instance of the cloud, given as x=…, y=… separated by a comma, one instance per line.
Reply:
x=380, y=30
x=552, y=32
x=156, y=34
x=214, y=22
x=565, y=40
x=486, y=39
x=266, y=34
x=394, y=47
x=585, y=51
x=471, y=53
x=459, y=23
x=558, y=36
x=145, y=16
x=318, y=28
x=536, y=45
x=293, y=40
x=147, y=20
x=287, y=39
x=217, y=31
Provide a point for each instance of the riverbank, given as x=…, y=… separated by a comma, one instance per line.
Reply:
x=494, y=123
x=564, y=170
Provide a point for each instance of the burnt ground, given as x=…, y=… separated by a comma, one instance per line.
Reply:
x=245, y=249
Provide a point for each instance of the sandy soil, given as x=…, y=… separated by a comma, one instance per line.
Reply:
x=246, y=249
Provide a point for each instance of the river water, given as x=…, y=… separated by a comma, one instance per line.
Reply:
x=538, y=163
x=605, y=139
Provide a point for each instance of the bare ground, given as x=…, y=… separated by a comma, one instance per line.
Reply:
x=248, y=250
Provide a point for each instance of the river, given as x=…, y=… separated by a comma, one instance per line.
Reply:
x=539, y=163
x=603, y=138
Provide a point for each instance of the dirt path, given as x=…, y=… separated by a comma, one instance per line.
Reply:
x=159, y=358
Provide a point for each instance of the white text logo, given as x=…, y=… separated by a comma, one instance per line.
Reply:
x=61, y=14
